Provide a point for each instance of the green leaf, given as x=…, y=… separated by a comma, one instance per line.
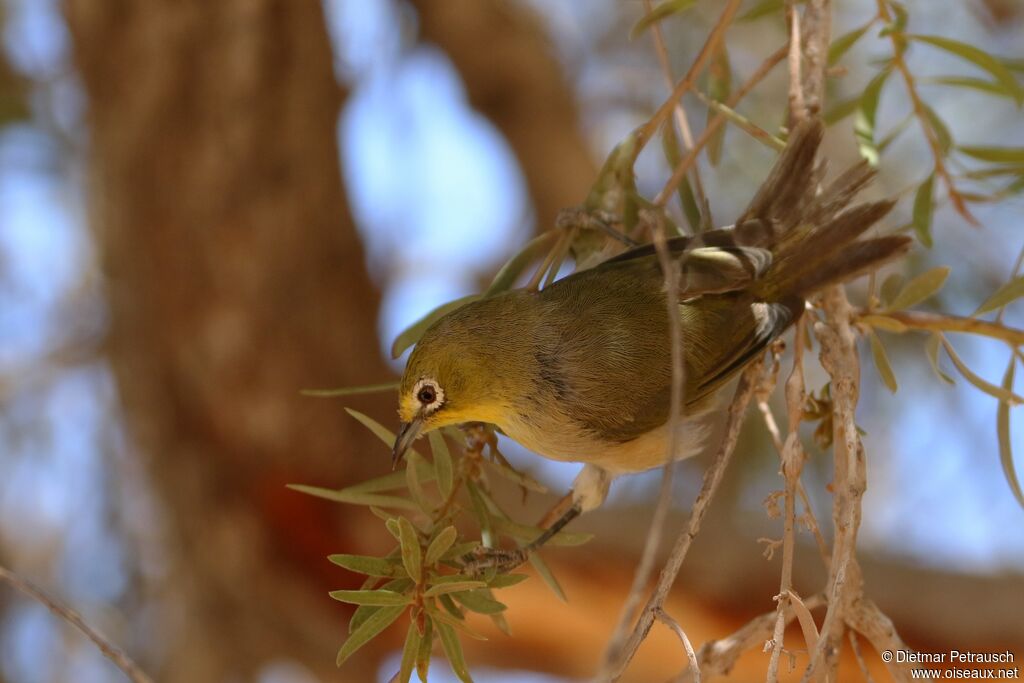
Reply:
x=882, y=362
x=999, y=155
x=762, y=9
x=524, y=480
x=414, y=332
x=1003, y=431
x=942, y=134
x=992, y=390
x=483, y=517
x=674, y=155
x=924, y=208
x=841, y=45
x=412, y=468
x=442, y=463
x=514, y=267
x=480, y=601
x=978, y=57
x=351, y=391
x=440, y=545
x=527, y=534
x=364, y=612
x=371, y=566
x=409, y=652
x=379, y=430
x=665, y=9
x=920, y=288
x=884, y=322
x=1011, y=291
x=931, y=348
x=719, y=87
x=453, y=587
x=374, y=597
x=864, y=127
x=392, y=480
x=837, y=112
x=355, y=497
x=426, y=644
x=369, y=629
x=450, y=606
x=453, y=651
x=412, y=556
x=506, y=580
x=966, y=82
x=549, y=578
x=461, y=549
x=891, y=286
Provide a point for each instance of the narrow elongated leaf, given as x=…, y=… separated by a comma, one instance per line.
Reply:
x=663, y=10
x=377, y=597
x=762, y=9
x=392, y=480
x=351, y=391
x=923, y=211
x=992, y=390
x=719, y=87
x=891, y=286
x=440, y=545
x=882, y=362
x=1011, y=291
x=426, y=644
x=840, y=110
x=506, y=580
x=442, y=463
x=966, y=82
x=1003, y=431
x=549, y=578
x=942, y=133
x=409, y=652
x=674, y=155
x=364, y=612
x=480, y=601
x=379, y=430
x=978, y=57
x=453, y=587
x=446, y=601
x=412, y=556
x=412, y=468
x=355, y=497
x=525, y=533
x=514, y=267
x=884, y=322
x=369, y=629
x=453, y=651
x=521, y=478
x=931, y=348
x=998, y=155
x=841, y=45
x=483, y=516
x=371, y=566
x=413, y=333
x=920, y=288
x=864, y=127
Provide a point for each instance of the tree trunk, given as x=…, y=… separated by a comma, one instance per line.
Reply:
x=235, y=278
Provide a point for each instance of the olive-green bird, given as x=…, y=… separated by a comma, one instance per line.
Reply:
x=581, y=370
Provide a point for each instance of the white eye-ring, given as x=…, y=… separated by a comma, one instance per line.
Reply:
x=429, y=394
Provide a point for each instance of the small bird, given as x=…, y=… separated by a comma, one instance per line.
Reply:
x=581, y=370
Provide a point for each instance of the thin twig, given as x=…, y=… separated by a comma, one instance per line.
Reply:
x=709, y=131
x=855, y=646
x=645, y=567
x=710, y=45
x=616, y=660
x=108, y=649
x=938, y=322
x=664, y=618
x=792, y=466
x=681, y=120
x=797, y=112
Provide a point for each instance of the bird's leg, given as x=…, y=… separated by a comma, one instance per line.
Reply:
x=588, y=492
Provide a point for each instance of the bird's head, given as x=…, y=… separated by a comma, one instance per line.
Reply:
x=448, y=380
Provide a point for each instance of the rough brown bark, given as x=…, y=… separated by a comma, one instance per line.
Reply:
x=512, y=76
x=235, y=278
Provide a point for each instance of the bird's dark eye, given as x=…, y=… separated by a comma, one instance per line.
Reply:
x=427, y=395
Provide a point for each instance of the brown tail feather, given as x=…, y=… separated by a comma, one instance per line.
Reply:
x=856, y=259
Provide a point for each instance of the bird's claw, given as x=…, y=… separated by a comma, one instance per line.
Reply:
x=482, y=559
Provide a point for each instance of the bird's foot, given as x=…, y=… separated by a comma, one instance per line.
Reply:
x=483, y=559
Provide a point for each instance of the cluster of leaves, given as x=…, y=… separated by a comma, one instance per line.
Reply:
x=895, y=296
x=423, y=576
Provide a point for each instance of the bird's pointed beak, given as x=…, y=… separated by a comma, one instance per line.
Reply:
x=408, y=433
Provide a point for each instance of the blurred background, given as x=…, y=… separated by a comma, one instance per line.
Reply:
x=207, y=207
